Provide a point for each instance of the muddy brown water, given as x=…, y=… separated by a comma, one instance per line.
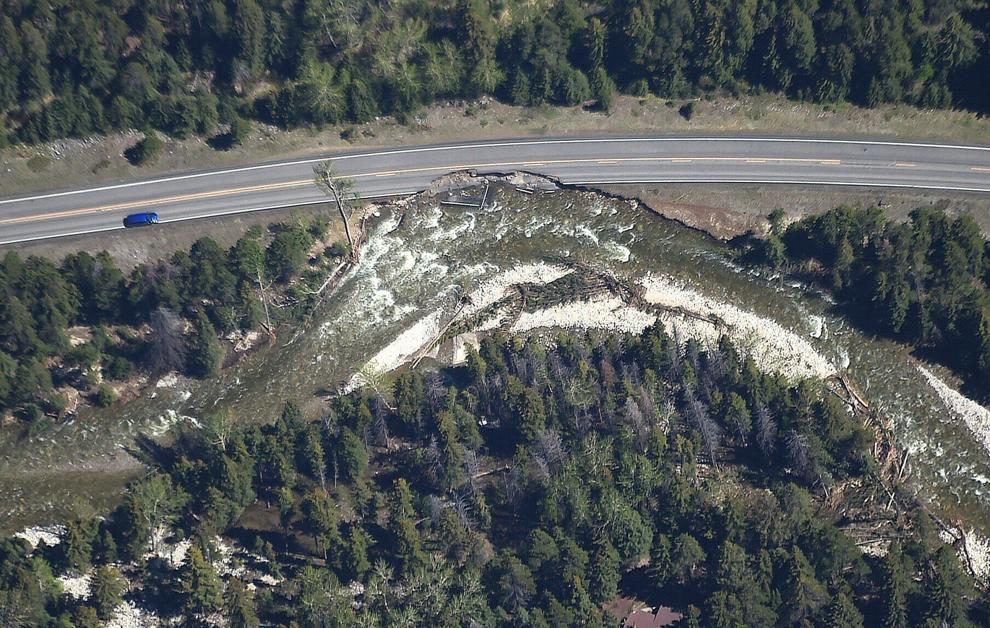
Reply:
x=414, y=265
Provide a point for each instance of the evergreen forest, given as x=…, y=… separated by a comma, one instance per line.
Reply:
x=530, y=486
x=78, y=68
x=925, y=281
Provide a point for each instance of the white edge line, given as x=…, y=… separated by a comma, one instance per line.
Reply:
x=197, y=217
x=60, y=235
x=424, y=149
x=783, y=182
x=564, y=182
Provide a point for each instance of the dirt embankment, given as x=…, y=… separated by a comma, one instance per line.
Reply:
x=728, y=210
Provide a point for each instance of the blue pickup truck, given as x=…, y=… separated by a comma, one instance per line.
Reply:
x=141, y=220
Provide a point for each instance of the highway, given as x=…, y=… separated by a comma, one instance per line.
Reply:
x=588, y=160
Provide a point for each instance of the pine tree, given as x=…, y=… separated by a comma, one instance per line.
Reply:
x=17, y=332
x=321, y=519
x=894, y=588
x=686, y=557
x=661, y=567
x=312, y=460
x=361, y=104
x=239, y=605
x=351, y=456
x=249, y=30
x=105, y=548
x=842, y=613
x=603, y=573
x=35, y=81
x=205, y=350
x=602, y=88
x=355, y=553
x=10, y=63
x=408, y=552
x=946, y=587
x=8, y=372
x=200, y=589
x=106, y=591
x=76, y=548
x=803, y=594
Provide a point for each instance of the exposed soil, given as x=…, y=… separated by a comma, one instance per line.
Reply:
x=728, y=210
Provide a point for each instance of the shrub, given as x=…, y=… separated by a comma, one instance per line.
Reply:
x=41, y=426
x=146, y=150
x=56, y=403
x=319, y=226
x=687, y=110
x=83, y=356
x=239, y=130
x=639, y=88
x=105, y=396
x=337, y=249
x=349, y=134
x=29, y=413
x=38, y=163
x=119, y=368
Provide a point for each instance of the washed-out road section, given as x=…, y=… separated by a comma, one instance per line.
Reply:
x=589, y=160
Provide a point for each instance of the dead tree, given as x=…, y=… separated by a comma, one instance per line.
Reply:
x=263, y=293
x=337, y=187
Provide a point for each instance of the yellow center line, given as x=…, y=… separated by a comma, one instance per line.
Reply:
x=558, y=162
x=444, y=168
x=159, y=201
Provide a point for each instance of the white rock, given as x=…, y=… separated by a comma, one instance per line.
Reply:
x=773, y=347
x=50, y=535
x=973, y=415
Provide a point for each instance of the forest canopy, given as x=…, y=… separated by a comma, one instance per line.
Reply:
x=82, y=325
x=925, y=281
x=529, y=487
x=71, y=69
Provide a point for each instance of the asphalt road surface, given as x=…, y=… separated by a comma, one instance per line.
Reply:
x=404, y=170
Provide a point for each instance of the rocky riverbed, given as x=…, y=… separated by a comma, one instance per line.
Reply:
x=434, y=278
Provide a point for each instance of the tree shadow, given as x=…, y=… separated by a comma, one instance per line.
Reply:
x=150, y=452
x=222, y=142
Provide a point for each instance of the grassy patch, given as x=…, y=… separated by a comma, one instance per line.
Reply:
x=38, y=163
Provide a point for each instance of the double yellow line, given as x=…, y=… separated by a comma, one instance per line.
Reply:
x=158, y=201
x=150, y=203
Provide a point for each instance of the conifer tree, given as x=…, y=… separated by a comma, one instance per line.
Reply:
x=200, y=588
x=205, y=351
x=106, y=590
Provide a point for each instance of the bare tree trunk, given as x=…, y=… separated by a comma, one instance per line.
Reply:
x=323, y=478
x=343, y=214
x=336, y=187
x=264, y=301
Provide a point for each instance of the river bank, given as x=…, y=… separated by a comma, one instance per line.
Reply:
x=420, y=260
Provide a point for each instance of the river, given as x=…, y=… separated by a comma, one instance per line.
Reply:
x=421, y=256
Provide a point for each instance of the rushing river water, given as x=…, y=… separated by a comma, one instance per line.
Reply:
x=418, y=264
